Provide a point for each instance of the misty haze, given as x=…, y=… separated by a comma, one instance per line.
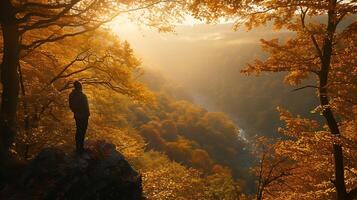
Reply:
x=205, y=60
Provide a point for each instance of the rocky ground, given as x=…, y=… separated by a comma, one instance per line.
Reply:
x=100, y=173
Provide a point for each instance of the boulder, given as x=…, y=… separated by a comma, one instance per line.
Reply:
x=99, y=173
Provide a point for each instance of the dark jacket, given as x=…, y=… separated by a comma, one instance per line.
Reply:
x=78, y=103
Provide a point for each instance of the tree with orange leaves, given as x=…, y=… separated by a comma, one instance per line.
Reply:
x=26, y=25
x=324, y=48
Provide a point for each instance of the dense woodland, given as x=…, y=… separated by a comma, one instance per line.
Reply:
x=182, y=150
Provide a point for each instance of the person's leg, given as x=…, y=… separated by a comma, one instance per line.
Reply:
x=83, y=129
x=78, y=133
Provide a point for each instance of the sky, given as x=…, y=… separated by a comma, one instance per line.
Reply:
x=206, y=61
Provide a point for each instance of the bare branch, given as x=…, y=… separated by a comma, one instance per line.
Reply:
x=27, y=6
x=304, y=87
x=312, y=36
x=78, y=58
x=47, y=22
x=53, y=38
x=349, y=170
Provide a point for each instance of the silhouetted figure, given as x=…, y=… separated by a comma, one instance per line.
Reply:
x=79, y=105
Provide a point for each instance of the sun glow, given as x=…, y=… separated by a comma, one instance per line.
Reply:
x=124, y=22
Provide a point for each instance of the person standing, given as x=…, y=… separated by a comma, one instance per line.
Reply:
x=78, y=104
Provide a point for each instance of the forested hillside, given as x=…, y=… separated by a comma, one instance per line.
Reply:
x=206, y=60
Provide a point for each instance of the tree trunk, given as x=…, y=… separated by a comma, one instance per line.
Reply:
x=26, y=113
x=9, y=76
x=337, y=149
x=260, y=194
x=324, y=101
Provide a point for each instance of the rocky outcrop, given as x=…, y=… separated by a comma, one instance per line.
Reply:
x=100, y=173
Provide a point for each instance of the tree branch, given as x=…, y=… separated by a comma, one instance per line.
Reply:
x=27, y=6
x=78, y=58
x=304, y=87
x=47, y=22
x=312, y=36
x=53, y=38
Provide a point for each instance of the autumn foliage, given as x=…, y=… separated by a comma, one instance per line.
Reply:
x=323, y=49
x=182, y=150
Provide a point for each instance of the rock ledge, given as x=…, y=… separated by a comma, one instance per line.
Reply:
x=100, y=173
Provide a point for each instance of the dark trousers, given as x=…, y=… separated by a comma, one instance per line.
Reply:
x=81, y=124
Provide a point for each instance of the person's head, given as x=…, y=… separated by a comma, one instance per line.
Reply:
x=77, y=85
